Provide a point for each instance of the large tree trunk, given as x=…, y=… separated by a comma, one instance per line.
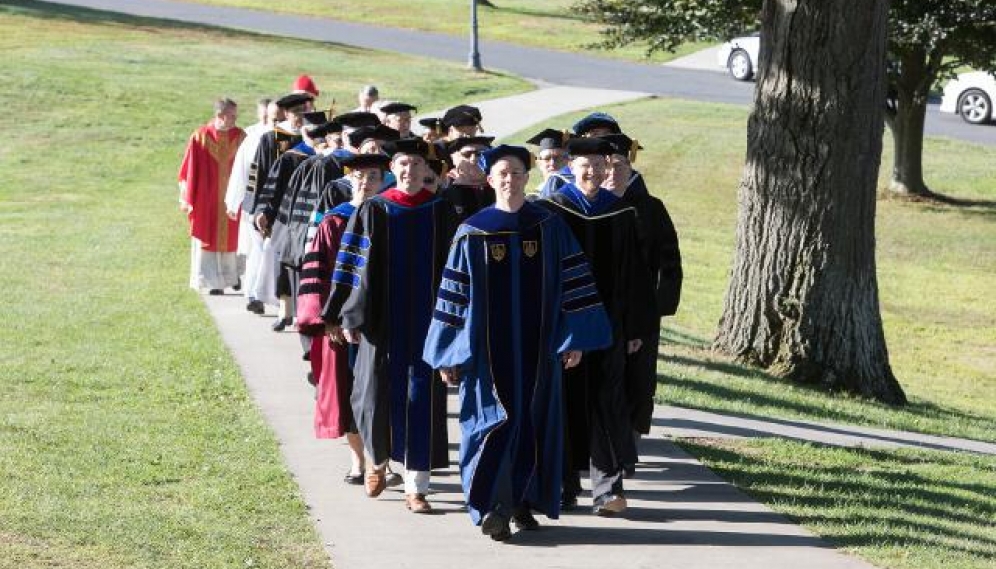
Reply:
x=803, y=294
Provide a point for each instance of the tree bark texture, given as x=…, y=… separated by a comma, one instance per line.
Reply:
x=803, y=294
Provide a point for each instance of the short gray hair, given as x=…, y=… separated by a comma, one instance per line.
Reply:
x=223, y=104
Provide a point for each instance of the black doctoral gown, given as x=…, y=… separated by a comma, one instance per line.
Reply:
x=598, y=426
x=467, y=199
x=271, y=146
x=659, y=245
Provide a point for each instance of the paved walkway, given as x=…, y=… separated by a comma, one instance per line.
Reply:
x=680, y=515
x=553, y=67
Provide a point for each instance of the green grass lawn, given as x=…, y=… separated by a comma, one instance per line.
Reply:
x=936, y=265
x=901, y=509
x=127, y=438
x=898, y=509
x=550, y=24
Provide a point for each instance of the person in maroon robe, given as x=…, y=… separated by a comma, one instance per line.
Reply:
x=330, y=354
x=204, y=172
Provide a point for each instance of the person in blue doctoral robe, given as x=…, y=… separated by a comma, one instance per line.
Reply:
x=384, y=283
x=516, y=304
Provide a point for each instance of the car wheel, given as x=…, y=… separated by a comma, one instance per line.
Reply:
x=975, y=107
x=740, y=66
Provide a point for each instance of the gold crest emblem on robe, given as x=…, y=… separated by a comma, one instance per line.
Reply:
x=530, y=248
x=497, y=251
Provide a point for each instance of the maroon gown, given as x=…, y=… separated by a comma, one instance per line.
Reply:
x=329, y=361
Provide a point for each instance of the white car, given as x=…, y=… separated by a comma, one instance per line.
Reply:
x=970, y=95
x=739, y=56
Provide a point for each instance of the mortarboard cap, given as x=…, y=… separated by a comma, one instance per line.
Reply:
x=432, y=123
x=396, y=107
x=323, y=130
x=488, y=158
x=550, y=138
x=357, y=119
x=623, y=145
x=457, y=143
x=292, y=100
x=361, y=161
x=315, y=118
x=462, y=115
x=411, y=145
x=589, y=146
x=596, y=120
x=379, y=132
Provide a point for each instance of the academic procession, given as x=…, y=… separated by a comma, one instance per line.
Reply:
x=416, y=259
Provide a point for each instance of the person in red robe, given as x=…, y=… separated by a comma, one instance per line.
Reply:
x=330, y=354
x=204, y=172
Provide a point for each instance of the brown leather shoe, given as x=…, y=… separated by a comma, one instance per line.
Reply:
x=417, y=504
x=375, y=483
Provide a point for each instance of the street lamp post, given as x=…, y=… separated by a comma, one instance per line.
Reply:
x=475, y=54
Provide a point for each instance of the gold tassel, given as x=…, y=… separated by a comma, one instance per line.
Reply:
x=332, y=109
x=634, y=150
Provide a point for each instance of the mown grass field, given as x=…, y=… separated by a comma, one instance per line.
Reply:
x=900, y=509
x=127, y=438
x=549, y=24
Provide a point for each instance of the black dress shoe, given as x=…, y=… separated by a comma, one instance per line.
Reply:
x=256, y=307
x=280, y=324
x=237, y=286
x=216, y=292
x=524, y=519
x=353, y=479
x=495, y=526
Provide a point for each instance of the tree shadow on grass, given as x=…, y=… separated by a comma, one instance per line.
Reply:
x=814, y=410
x=890, y=499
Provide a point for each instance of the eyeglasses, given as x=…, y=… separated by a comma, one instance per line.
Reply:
x=470, y=153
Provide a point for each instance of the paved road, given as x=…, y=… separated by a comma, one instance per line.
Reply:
x=558, y=68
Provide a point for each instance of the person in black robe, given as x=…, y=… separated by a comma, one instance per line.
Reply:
x=272, y=145
x=460, y=121
x=466, y=185
x=599, y=435
x=384, y=283
x=273, y=204
x=659, y=246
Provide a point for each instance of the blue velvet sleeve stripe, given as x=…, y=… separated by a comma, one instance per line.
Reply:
x=347, y=258
x=453, y=297
x=346, y=278
x=456, y=276
x=354, y=240
x=447, y=318
x=572, y=261
x=581, y=303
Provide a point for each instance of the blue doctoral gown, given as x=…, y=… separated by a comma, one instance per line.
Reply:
x=516, y=292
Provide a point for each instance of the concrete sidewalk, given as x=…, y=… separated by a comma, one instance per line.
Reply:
x=680, y=515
